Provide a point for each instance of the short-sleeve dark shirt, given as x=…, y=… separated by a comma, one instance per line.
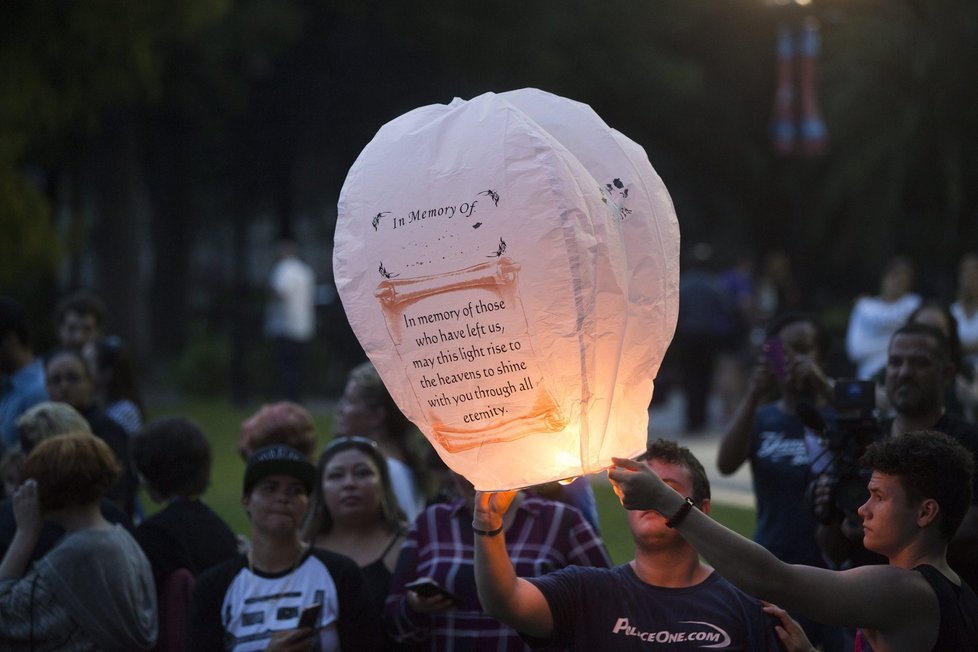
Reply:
x=612, y=609
x=186, y=534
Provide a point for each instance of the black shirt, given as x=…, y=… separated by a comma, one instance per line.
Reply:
x=959, y=612
x=186, y=534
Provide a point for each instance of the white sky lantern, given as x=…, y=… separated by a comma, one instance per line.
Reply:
x=510, y=264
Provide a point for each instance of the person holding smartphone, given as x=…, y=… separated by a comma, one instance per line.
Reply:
x=281, y=595
x=767, y=432
x=442, y=611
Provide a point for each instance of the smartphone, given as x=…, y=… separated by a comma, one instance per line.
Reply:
x=427, y=588
x=773, y=350
x=310, y=615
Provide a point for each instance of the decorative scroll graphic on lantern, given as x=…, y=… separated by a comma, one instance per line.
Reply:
x=464, y=342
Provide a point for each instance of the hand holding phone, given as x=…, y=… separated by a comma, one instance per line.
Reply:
x=310, y=615
x=427, y=587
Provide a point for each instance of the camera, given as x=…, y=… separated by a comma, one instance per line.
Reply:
x=839, y=485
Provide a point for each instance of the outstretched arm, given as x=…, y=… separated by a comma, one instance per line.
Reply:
x=503, y=595
x=734, y=447
x=877, y=597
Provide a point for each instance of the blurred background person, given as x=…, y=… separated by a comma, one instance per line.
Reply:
x=703, y=303
x=541, y=536
x=735, y=357
x=354, y=512
x=173, y=459
x=874, y=319
x=965, y=308
x=94, y=590
x=367, y=409
x=116, y=386
x=284, y=422
x=80, y=320
x=186, y=537
x=21, y=373
x=254, y=601
x=43, y=421
x=767, y=432
x=776, y=291
x=291, y=318
x=69, y=380
x=961, y=394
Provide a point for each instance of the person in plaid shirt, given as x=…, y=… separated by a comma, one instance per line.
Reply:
x=541, y=536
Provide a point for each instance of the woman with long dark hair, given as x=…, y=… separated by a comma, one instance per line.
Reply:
x=354, y=512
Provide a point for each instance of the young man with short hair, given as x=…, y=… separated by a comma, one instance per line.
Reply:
x=80, y=320
x=666, y=594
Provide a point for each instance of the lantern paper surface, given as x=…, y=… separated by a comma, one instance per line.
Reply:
x=510, y=265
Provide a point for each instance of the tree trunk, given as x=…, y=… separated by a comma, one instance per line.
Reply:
x=116, y=242
x=174, y=208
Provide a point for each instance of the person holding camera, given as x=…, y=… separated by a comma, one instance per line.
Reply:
x=770, y=435
x=918, y=371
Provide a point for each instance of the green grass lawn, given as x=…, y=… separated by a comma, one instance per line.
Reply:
x=220, y=421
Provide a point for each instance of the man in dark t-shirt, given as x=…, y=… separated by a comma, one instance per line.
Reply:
x=666, y=595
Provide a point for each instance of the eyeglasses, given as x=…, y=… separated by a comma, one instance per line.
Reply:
x=349, y=441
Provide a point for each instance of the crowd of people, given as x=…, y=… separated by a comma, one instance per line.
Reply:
x=867, y=507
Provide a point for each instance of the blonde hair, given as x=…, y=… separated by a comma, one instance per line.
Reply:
x=47, y=419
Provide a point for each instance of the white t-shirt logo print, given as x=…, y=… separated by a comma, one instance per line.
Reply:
x=717, y=638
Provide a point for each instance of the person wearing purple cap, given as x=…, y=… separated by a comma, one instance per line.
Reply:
x=257, y=601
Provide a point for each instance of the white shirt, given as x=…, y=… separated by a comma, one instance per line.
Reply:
x=871, y=325
x=257, y=605
x=405, y=487
x=292, y=313
x=967, y=327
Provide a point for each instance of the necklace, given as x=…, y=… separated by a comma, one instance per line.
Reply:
x=288, y=578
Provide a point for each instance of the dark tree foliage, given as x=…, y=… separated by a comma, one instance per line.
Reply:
x=210, y=118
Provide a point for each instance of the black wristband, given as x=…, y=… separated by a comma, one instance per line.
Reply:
x=681, y=513
x=487, y=533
